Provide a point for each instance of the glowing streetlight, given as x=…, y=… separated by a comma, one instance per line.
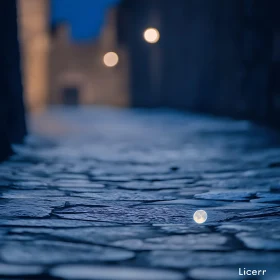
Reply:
x=110, y=59
x=200, y=216
x=151, y=35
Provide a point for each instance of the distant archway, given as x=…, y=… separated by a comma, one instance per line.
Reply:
x=72, y=87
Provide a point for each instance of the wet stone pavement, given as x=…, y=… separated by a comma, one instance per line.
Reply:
x=108, y=194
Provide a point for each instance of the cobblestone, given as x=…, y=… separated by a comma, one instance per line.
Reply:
x=110, y=194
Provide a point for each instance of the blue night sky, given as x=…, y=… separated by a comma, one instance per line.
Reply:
x=84, y=16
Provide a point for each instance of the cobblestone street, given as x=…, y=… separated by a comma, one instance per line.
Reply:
x=109, y=194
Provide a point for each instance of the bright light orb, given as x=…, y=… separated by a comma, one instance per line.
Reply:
x=110, y=59
x=151, y=35
x=200, y=216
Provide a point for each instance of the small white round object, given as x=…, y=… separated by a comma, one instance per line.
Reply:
x=151, y=35
x=200, y=216
x=111, y=59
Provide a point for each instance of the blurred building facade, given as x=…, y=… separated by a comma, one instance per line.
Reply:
x=78, y=73
x=33, y=21
x=60, y=71
x=213, y=56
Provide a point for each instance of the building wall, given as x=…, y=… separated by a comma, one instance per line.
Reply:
x=33, y=18
x=213, y=56
x=79, y=67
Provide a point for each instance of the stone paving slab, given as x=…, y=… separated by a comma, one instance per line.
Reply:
x=110, y=194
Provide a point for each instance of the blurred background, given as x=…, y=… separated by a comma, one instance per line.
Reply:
x=214, y=56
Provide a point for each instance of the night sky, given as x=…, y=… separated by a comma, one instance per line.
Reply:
x=84, y=16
